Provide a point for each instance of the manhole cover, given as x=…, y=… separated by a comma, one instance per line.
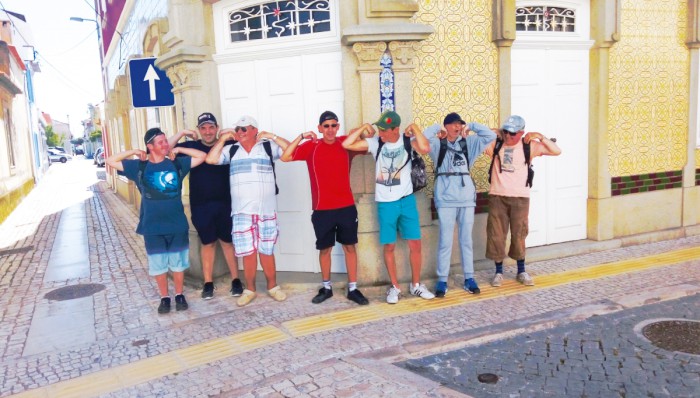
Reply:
x=488, y=378
x=674, y=335
x=74, y=292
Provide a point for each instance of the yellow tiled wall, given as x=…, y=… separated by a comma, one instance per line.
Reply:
x=457, y=68
x=648, y=120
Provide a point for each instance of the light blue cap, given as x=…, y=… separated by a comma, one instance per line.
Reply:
x=514, y=124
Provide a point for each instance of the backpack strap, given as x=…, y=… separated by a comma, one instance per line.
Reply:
x=441, y=154
x=530, y=171
x=232, y=151
x=268, y=150
x=409, y=150
x=380, y=144
x=496, y=150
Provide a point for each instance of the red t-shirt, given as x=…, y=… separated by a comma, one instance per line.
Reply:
x=329, y=171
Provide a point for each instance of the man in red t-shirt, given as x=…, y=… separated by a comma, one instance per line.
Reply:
x=335, y=215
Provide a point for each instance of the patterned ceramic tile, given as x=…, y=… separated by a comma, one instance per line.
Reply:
x=649, y=87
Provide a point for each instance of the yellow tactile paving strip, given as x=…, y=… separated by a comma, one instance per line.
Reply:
x=132, y=374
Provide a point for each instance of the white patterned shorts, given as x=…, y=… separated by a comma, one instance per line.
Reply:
x=253, y=233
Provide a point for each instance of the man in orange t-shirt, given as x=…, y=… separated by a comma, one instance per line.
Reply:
x=509, y=195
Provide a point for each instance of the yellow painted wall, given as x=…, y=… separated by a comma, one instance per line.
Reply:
x=12, y=199
x=457, y=68
x=649, y=85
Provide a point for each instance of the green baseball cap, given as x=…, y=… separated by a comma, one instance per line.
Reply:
x=388, y=120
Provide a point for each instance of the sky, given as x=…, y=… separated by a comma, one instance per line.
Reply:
x=68, y=55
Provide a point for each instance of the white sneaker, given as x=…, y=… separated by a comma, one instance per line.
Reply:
x=525, y=279
x=421, y=291
x=392, y=295
x=497, y=280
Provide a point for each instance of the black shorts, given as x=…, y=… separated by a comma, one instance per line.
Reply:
x=335, y=225
x=212, y=221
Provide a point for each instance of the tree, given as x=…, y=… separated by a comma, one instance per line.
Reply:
x=53, y=139
x=96, y=135
x=77, y=141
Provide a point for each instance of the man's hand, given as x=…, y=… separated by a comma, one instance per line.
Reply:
x=442, y=133
x=412, y=130
x=310, y=135
x=532, y=136
x=227, y=134
x=141, y=154
x=264, y=135
x=368, y=131
x=191, y=134
x=465, y=131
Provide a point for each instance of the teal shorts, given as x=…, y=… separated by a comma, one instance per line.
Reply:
x=400, y=215
x=167, y=252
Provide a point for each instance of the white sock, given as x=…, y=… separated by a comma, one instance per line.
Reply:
x=352, y=286
x=327, y=285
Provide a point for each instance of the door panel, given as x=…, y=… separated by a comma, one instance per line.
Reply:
x=550, y=90
x=287, y=107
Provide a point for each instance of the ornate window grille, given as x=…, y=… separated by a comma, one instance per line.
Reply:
x=386, y=83
x=280, y=19
x=545, y=19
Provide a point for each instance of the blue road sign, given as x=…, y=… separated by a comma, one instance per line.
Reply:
x=150, y=86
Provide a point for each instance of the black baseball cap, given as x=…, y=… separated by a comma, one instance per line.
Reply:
x=453, y=117
x=206, y=117
x=151, y=134
x=327, y=115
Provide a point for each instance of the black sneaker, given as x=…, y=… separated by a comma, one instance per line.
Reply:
x=323, y=295
x=180, y=303
x=164, y=306
x=208, y=291
x=236, y=287
x=357, y=296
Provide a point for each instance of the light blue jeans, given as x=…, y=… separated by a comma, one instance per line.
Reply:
x=464, y=217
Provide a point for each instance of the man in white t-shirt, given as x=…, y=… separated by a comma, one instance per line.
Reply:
x=396, y=204
x=253, y=201
x=509, y=195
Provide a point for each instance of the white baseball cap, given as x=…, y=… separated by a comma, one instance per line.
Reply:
x=246, y=121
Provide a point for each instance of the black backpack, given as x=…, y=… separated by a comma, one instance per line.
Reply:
x=526, y=151
x=268, y=150
x=419, y=177
x=142, y=171
x=441, y=158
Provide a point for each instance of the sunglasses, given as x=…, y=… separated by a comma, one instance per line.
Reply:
x=330, y=125
x=243, y=129
x=511, y=133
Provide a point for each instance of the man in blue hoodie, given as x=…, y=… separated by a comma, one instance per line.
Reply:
x=453, y=152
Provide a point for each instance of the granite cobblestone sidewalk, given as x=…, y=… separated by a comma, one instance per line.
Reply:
x=361, y=360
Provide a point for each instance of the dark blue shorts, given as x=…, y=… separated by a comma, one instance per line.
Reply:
x=167, y=252
x=335, y=225
x=212, y=221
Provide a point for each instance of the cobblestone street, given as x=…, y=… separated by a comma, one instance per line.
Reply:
x=572, y=334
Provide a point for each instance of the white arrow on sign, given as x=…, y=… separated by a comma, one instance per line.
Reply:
x=151, y=76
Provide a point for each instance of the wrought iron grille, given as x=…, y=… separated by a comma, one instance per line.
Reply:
x=280, y=19
x=545, y=19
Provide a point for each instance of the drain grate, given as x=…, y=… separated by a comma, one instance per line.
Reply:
x=674, y=335
x=74, y=291
x=15, y=251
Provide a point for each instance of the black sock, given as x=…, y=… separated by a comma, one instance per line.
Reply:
x=499, y=267
x=521, y=266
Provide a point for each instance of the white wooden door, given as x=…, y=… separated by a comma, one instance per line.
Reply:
x=286, y=96
x=550, y=90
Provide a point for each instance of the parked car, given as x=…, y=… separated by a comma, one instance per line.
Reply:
x=57, y=149
x=56, y=156
x=99, y=157
x=79, y=151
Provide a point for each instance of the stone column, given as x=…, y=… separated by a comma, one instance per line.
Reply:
x=381, y=25
x=605, y=28
x=503, y=34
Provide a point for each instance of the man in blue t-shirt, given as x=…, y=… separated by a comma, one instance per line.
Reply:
x=158, y=176
x=210, y=204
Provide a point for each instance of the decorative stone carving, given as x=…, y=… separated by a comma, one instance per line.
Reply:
x=369, y=54
x=390, y=8
x=404, y=52
x=183, y=76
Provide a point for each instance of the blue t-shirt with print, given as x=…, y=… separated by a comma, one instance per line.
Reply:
x=161, y=210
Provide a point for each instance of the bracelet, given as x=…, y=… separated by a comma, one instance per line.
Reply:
x=274, y=137
x=301, y=137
